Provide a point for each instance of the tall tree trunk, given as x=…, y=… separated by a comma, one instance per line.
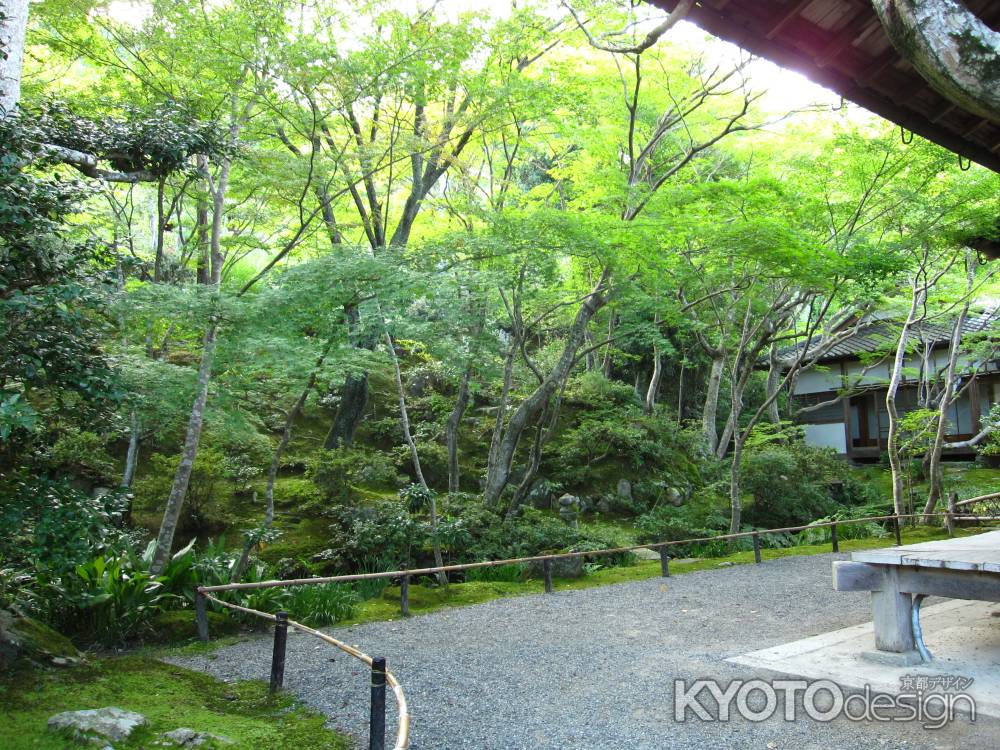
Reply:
x=892, y=446
x=773, y=380
x=404, y=420
x=132, y=452
x=735, y=496
x=654, y=379
x=710, y=412
x=182, y=477
x=935, y=475
x=532, y=407
x=13, y=25
x=452, y=426
x=175, y=502
x=493, y=457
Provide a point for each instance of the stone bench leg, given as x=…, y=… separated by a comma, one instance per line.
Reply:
x=892, y=612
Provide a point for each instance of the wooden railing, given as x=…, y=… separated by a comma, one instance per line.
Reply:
x=955, y=512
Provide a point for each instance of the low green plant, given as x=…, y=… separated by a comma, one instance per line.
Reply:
x=113, y=599
x=321, y=604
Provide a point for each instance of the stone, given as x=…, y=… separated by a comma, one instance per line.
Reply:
x=624, y=489
x=98, y=724
x=568, y=500
x=675, y=497
x=646, y=554
x=186, y=737
x=25, y=638
x=603, y=506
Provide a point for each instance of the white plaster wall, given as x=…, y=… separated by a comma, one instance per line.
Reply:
x=817, y=381
x=827, y=436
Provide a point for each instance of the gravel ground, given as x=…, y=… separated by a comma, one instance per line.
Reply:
x=594, y=668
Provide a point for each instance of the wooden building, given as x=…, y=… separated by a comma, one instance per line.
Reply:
x=845, y=391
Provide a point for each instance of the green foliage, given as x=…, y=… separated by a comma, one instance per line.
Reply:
x=112, y=599
x=201, y=511
x=336, y=472
x=81, y=453
x=321, y=604
x=50, y=528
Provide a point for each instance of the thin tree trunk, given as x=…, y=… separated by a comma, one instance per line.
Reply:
x=493, y=458
x=735, y=497
x=892, y=446
x=182, y=477
x=452, y=426
x=175, y=502
x=680, y=395
x=354, y=392
x=935, y=475
x=132, y=453
x=654, y=380
x=773, y=379
x=710, y=412
x=404, y=419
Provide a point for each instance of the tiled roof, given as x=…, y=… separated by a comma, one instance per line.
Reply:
x=882, y=335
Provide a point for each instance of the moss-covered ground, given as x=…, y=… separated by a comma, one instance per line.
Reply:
x=426, y=598
x=169, y=696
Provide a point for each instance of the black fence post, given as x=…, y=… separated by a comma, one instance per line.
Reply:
x=376, y=729
x=201, y=615
x=278, y=652
x=404, y=593
x=833, y=538
x=756, y=547
x=664, y=563
x=547, y=575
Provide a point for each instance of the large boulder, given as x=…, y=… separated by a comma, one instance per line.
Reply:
x=566, y=567
x=109, y=724
x=25, y=638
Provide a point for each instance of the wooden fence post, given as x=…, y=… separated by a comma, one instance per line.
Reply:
x=404, y=593
x=664, y=563
x=278, y=652
x=833, y=538
x=756, y=547
x=547, y=575
x=201, y=615
x=376, y=726
x=949, y=516
x=895, y=528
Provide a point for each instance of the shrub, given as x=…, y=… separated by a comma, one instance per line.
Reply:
x=334, y=472
x=200, y=512
x=113, y=599
x=82, y=453
x=789, y=482
x=317, y=605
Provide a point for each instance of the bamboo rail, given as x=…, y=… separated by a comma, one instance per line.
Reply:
x=409, y=572
x=403, y=729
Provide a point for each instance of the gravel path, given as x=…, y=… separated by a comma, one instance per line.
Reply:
x=592, y=669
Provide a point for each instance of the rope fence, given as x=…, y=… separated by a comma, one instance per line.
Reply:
x=381, y=676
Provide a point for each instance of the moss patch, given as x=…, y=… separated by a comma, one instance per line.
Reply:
x=169, y=696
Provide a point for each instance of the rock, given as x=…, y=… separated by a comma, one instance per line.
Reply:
x=624, y=489
x=569, y=509
x=185, y=737
x=725, y=565
x=675, y=497
x=98, y=724
x=646, y=554
x=24, y=638
x=99, y=492
x=603, y=505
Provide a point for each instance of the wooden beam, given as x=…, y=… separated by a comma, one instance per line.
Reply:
x=856, y=28
x=786, y=17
